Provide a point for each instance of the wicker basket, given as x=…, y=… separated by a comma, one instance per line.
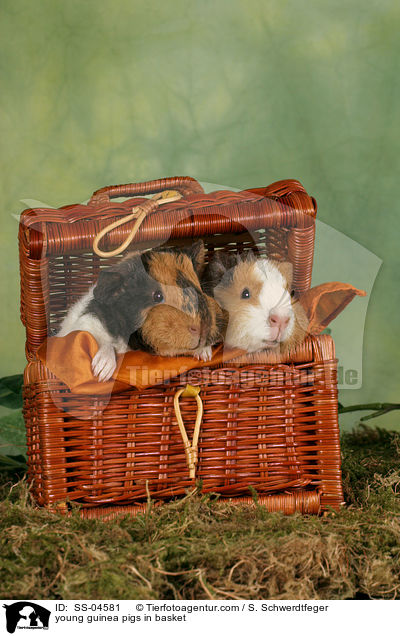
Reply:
x=269, y=424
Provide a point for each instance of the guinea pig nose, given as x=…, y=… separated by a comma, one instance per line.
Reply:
x=275, y=320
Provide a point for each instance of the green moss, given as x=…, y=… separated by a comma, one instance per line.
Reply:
x=196, y=548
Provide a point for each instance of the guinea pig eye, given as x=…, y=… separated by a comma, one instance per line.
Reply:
x=158, y=297
x=292, y=293
x=245, y=293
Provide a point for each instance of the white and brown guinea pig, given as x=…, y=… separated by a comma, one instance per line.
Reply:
x=151, y=301
x=256, y=294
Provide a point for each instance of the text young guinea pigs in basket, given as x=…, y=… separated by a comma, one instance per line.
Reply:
x=151, y=301
x=256, y=294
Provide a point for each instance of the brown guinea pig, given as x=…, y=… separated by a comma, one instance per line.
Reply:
x=256, y=293
x=184, y=320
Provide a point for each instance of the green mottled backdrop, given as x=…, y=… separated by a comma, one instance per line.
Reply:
x=232, y=92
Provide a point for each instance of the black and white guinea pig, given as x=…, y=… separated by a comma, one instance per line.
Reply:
x=256, y=294
x=151, y=301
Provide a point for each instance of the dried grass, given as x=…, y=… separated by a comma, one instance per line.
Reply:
x=194, y=549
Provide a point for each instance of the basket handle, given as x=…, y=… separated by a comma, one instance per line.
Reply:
x=184, y=185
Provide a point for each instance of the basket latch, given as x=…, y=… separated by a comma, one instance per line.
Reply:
x=190, y=448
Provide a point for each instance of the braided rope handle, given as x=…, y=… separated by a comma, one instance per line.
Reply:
x=190, y=448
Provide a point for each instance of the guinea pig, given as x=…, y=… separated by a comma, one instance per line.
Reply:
x=151, y=301
x=256, y=294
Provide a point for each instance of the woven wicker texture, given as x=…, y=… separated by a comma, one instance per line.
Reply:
x=270, y=427
x=288, y=503
x=267, y=426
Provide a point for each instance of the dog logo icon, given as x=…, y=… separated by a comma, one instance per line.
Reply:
x=26, y=615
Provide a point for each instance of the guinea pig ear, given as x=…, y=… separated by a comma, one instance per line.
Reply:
x=249, y=257
x=213, y=273
x=197, y=253
x=216, y=269
x=109, y=285
x=228, y=259
x=286, y=269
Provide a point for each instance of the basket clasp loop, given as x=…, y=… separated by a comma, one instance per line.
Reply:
x=138, y=214
x=190, y=448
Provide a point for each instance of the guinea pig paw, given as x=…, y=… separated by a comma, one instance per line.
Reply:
x=104, y=363
x=204, y=354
